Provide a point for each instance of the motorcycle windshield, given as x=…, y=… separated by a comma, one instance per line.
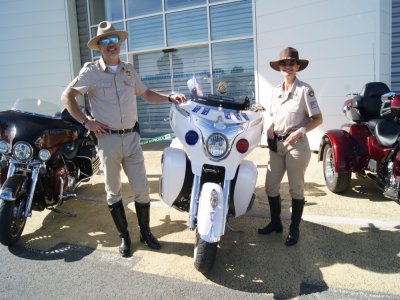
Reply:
x=219, y=99
x=36, y=106
x=33, y=120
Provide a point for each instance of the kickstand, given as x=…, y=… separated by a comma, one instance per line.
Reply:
x=68, y=214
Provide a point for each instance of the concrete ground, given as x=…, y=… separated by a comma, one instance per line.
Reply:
x=349, y=241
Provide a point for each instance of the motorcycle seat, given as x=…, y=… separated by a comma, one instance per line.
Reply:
x=367, y=105
x=387, y=132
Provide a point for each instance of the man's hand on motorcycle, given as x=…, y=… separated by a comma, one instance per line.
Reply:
x=178, y=98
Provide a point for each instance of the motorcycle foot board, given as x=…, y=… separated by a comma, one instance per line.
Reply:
x=211, y=216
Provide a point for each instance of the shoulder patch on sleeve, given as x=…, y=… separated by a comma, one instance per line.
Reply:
x=311, y=93
x=88, y=64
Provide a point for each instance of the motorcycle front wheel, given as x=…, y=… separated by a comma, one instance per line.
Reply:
x=336, y=182
x=204, y=254
x=12, y=220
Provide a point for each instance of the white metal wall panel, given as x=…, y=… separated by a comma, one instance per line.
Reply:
x=396, y=45
x=347, y=43
x=38, y=53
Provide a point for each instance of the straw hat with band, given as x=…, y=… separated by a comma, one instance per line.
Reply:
x=288, y=54
x=104, y=29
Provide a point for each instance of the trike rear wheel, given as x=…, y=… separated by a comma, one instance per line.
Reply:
x=336, y=182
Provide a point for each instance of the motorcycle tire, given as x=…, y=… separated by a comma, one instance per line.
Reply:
x=12, y=221
x=336, y=182
x=204, y=254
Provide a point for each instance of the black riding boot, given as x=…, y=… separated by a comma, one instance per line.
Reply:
x=118, y=214
x=143, y=215
x=297, y=212
x=275, y=224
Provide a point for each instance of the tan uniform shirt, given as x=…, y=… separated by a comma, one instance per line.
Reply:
x=292, y=110
x=112, y=96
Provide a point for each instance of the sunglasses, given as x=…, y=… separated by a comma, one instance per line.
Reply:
x=111, y=39
x=287, y=62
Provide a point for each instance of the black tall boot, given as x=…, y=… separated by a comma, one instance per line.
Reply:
x=118, y=214
x=143, y=215
x=297, y=212
x=275, y=224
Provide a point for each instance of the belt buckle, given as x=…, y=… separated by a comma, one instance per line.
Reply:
x=121, y=132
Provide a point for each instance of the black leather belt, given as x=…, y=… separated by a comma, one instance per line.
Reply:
x=124, y=131
x=281, y=138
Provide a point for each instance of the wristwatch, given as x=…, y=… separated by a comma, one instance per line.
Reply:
x=302, y=130
x=169, y=98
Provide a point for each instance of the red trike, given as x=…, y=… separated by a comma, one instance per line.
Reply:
x=368, y=145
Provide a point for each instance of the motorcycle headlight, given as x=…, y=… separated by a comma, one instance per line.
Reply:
x=4, y=147
x=44, y=154
x=22, y=151
x=217, y=145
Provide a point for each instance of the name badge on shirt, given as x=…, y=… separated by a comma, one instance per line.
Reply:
x=128, y=74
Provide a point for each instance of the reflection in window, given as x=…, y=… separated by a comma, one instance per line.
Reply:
x=164, y=72
x=152, y=118
x=190, y=62
x=145, y=33
x=175, y=4
x=187, y=27
x=101, y=10
x=233, y=63
x=135, y=8
x=231, y=20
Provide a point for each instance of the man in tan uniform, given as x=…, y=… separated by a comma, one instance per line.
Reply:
x=294, y=111
x=112, y=87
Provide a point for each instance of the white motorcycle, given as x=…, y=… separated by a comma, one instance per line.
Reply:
x=204, y=171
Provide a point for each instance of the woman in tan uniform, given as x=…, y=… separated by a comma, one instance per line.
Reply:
x=294, y=111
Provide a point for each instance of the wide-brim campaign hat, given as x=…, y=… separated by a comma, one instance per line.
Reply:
x=287, y=54
x=104, y=29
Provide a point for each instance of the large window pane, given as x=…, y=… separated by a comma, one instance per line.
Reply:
x=231, y=20
x=175, y=4
x=153, y=118
x=101, y=10
x=233, y=63
x=164, y=72
x=145, y=33
x=135, y=8
x=190, y=62
x=187, y=27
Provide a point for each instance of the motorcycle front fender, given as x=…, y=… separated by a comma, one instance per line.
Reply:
x=346, y=153
x=244, y=187
x=211, y=216
x=12, y=187
x=173, y=174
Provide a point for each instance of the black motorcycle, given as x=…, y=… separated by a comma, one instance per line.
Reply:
x=43, y=160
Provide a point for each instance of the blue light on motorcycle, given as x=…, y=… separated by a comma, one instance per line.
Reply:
x=191, y=137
